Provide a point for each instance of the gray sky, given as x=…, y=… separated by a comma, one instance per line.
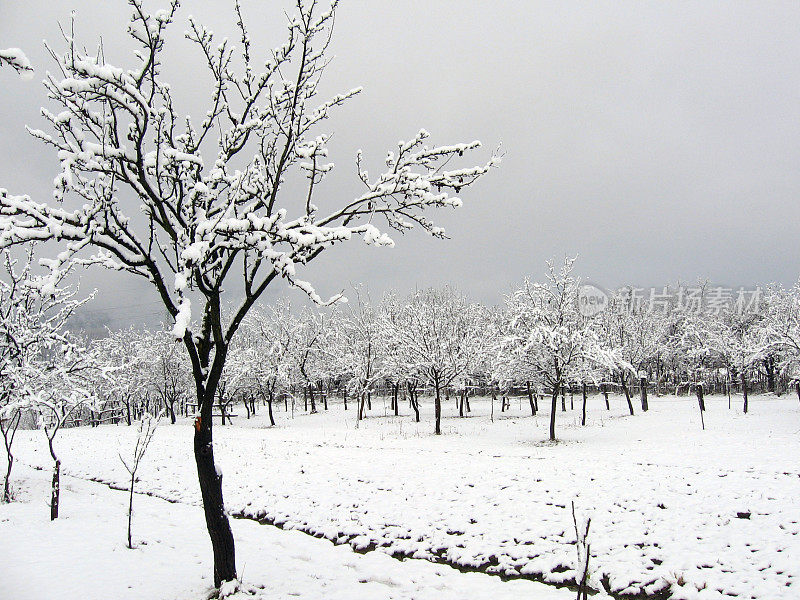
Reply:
x=657, y=140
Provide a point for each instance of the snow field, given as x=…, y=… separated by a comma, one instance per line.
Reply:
x=669, y=503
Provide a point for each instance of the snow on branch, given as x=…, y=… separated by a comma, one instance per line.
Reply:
x=16, y=59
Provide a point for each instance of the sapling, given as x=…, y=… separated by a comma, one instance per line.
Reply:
x=144, y=435
x=582, y=548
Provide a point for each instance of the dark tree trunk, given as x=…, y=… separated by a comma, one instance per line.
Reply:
x=461, y=405
x=172, y=412
x=130, y=510
x=643, y=385
x=604, y=389
x=563, y=399
x=583, y=389
x=438, y=409
x=9, y=431
x=553, y=405
x=744, y=390
x=55, y=487
x=700, y=396
x=369, y=400
x=530, y=399
x=344, y=398
x=627, y=393
x=55, y=490
x=7, y=481
x=246, y=407
x=701, y=403
x=797, y=388
x=210, y=479
x=311, y=397
x=396, y=398
x=269, y=408
x=769, y=368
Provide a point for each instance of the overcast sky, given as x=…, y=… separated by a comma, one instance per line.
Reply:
x=657, y=140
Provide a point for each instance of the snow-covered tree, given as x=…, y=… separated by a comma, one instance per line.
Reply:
x=359, y=342
x=435, y=333
x=190, y=205
x=33, y=314
x=736, y=337
x=168, y=374
x=269, y=336
x=547, y=338
x=129, y=352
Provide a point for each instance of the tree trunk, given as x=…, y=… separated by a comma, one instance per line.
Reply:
x=701, y=403
x=627, y=393
x=563, y=399
x=269, y=409
x=438, y=409
x=604, y=389
x=54, y=490
x=583, y=389
x=797, y=389
x=744, y=390
x=553, y=404
x=172, y=412
x=530, y=399
x=130, y=510
x=219, y=529
x=7, y=481
x=643, y=385
x=311, y=397
x=769, y=368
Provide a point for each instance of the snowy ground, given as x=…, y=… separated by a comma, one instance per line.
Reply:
x=83, y=555
x=675, y=510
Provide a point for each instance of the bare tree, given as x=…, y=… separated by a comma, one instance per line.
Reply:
x=202, y=204
x=144, y=434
